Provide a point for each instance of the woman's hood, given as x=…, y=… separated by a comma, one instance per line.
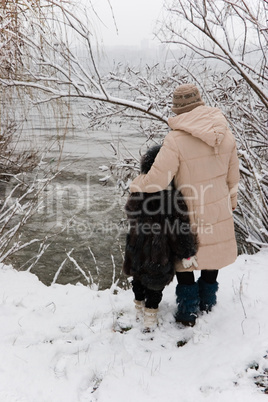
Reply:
x=204, y=122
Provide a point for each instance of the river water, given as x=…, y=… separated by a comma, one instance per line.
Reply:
x=86, y=212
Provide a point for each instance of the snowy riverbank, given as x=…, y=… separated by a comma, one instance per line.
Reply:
x=65, y=343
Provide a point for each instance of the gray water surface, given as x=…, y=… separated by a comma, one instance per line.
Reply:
x=86, y=212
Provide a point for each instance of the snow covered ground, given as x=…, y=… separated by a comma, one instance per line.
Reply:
x=66, y=343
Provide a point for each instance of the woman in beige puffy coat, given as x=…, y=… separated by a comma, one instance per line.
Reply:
x=200, y=154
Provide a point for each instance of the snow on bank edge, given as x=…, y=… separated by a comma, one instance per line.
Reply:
x=66, y=343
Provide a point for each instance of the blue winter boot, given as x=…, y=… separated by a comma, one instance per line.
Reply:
x=188, y=304
x=207, y=293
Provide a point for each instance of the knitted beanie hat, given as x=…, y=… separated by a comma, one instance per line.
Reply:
x=185, y=98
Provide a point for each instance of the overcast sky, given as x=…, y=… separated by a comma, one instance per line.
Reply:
x=134, y=19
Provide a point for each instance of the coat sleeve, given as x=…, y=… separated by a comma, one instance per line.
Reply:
x=162, y=171
x=233, y=177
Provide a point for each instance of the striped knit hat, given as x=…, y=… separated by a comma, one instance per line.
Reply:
x=185, y=98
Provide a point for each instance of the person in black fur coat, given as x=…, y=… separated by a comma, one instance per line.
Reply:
x=159, y=235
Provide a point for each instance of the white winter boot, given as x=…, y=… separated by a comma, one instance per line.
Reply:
x=139, y=306
x=150, y=319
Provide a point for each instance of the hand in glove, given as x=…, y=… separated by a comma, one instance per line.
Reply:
x=188, y=262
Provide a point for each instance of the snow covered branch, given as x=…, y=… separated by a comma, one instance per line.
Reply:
x=52, y=49
x=231, y=31
x=54, y=54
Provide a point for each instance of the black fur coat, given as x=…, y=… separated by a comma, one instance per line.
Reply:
x=159, y=232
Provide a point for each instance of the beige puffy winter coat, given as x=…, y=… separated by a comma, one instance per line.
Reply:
x=200, y=154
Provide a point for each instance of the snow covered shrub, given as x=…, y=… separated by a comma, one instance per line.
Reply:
x=247, y=117
x=21, y=190
x=229, y=39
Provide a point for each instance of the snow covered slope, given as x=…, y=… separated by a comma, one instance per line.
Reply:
x=74, y=343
